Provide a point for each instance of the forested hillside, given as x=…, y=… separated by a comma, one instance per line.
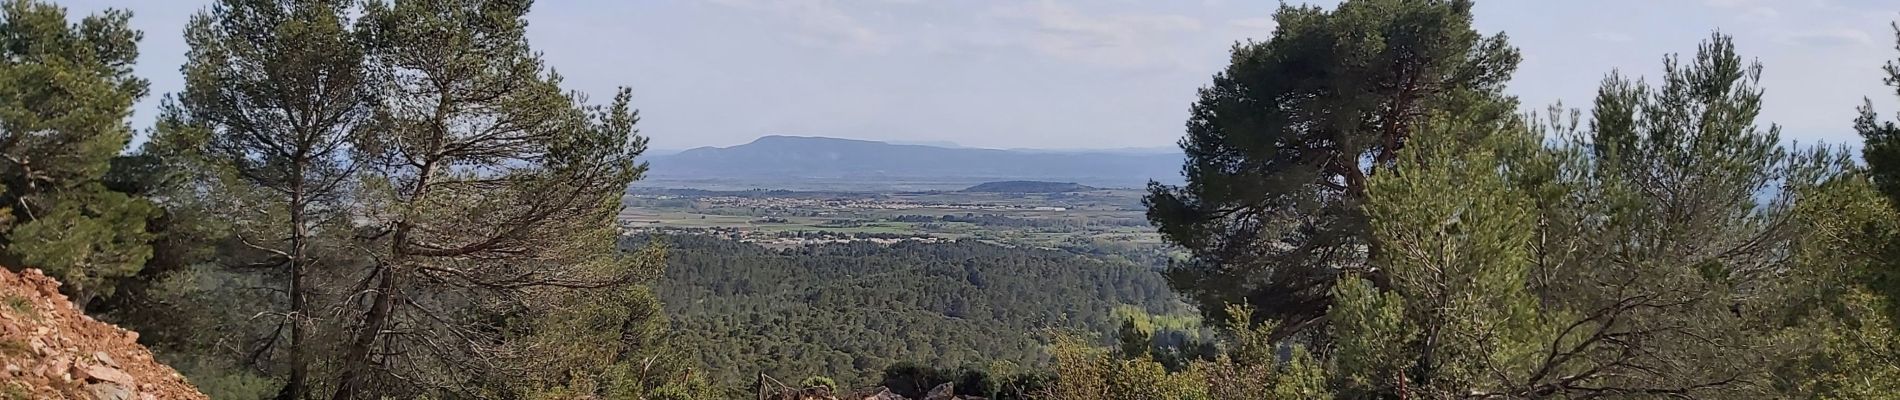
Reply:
x=850, y=310
x=399, y=199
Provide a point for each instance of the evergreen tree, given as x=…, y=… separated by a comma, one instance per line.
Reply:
x=66, y=89
x=1281, y=144
x=1850, y=314
x=1650, y=255
x=273, y=92
x=1882, y=154
x=1842, y=315
x=1672, y=240
x=491, y=191
x=1674, y=248
x=1133, y=342
x=1458, y=316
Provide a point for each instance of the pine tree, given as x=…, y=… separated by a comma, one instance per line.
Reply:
x=1842, y=309
x=1882, y=154
x=1650, y=253
x=1280, y=145
x=1458, y=316
x=66, y=90
x=491, y=190
x=1653, y=254
x=1851, y=312
x=1133, y=342
x=274, y=90
x=1672, y=243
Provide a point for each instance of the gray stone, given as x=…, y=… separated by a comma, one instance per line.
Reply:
x=946, y=391
x=109, y=391
x=105, y=359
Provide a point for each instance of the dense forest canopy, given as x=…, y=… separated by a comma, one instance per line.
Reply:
x=848, y=311
x=401, y=199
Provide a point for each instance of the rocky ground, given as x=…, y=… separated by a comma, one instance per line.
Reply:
x=51, y=350
x=771, y=390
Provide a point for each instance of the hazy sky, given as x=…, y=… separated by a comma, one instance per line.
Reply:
x=1085, y=73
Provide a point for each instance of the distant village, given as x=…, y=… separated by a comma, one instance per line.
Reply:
x=779, y=239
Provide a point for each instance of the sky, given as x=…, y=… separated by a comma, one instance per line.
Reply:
x=1086, y=73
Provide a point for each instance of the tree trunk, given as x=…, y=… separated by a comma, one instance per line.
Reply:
x=299, y=367
x=356, y=357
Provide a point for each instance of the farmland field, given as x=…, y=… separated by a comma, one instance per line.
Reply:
x=1104, y=222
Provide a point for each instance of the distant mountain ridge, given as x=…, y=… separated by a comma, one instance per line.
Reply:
x=805, y=157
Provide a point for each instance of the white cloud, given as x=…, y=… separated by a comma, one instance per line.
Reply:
x=1120, y=40
x=819, y=23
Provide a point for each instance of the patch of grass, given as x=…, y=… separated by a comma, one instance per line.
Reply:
x=19, y=305
x=14, y=347
x=15, y=391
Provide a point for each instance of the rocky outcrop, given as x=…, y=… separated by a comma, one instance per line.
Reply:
x=51, y=350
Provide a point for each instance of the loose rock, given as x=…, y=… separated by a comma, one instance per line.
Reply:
x=67, y=355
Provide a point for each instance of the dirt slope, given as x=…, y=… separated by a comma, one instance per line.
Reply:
x=50, y=350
